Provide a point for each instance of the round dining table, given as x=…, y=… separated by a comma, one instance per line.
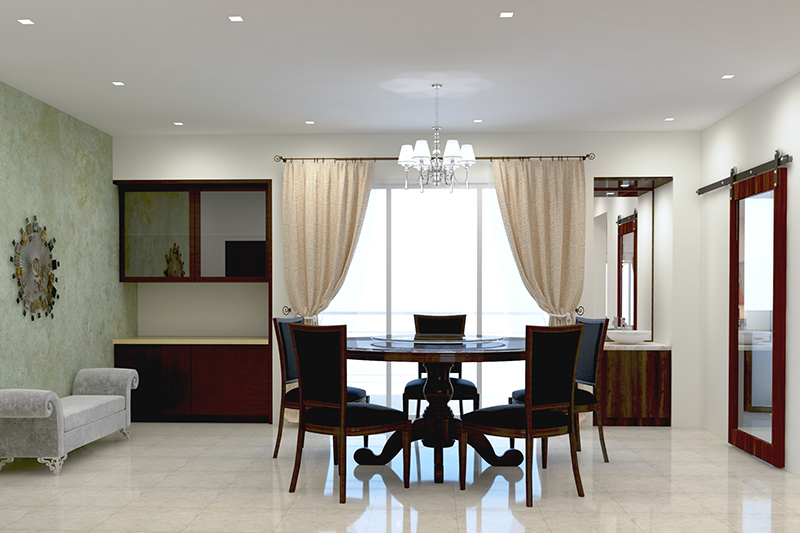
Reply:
x=438, y=428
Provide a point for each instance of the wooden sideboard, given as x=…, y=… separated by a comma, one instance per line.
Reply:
x=199, y=378
x=636, y=383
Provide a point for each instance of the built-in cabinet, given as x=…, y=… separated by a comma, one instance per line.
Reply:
x=198, y=379
x=188, y=232
x=637, y=386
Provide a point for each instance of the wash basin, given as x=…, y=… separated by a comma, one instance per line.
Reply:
x=628, y=336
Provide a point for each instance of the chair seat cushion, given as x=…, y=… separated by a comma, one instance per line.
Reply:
x=354, y=394
x=582, y=397
x=463, y=389
x=512, y=416
x=83, y=409
x=358, y=415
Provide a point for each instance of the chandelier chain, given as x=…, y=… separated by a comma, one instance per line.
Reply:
x=436, y=105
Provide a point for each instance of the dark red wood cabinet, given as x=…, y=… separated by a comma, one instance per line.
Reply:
x=637, y=387
x=199, y=382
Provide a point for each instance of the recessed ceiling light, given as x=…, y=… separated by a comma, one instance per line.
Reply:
x=117, y=83
x=669, y=119
x=624, y=184
x=236, y=18
x=26, y=22
x=478, y=121
x=178, y=123
x=609, y=194
x=506, y=14
x=727, y=76
x=310, y=122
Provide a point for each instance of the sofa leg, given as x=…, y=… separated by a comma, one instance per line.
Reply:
x=54, y=463
x=4, y=462
x=126, y=432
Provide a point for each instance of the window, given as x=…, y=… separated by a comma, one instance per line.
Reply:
x=436, y=252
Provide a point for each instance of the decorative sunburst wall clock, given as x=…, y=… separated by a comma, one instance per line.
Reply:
x=33, y=270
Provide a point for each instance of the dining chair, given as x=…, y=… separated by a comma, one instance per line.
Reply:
x=321, y=357
x=463, y=389
x=551, y=355
x=291, y=399
x=594, y=335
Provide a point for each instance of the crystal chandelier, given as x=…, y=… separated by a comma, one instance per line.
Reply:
x=435, y=168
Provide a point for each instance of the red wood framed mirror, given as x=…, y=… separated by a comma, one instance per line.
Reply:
x=627, y=268
x=757, y=320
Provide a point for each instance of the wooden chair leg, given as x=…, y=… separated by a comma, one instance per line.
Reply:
x=544, y=452
x=280, y=431
x=598, y=415
x=406, y=455
x=342, y=451
x=366, y=437
x=528, y=471
x=462, y=459
x=335, y=450
x=577, y=432
x=575, y=471
x=511, y=439
x=298, y=454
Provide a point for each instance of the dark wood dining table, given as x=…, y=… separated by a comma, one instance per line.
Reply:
x=438, y=427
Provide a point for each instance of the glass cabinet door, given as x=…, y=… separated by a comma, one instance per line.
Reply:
x=157, y=237
x=233, y=234
x=190, y=231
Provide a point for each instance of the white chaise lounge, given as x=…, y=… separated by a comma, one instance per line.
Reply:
x=37, y=423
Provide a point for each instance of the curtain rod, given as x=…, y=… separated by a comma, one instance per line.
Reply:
x=590, y=156
x=779, y=161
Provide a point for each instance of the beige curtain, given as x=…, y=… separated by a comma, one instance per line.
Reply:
x=323, y=210
x=543, y=204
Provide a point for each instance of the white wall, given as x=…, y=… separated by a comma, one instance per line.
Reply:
x=746, y=139
x=626, y=154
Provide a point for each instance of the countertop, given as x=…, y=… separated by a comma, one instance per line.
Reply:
x=194, y=340
x=641, y=347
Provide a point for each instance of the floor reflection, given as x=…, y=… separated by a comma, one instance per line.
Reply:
x=221, y=477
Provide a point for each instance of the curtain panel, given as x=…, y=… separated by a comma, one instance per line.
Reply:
x=323, y=210
x=543, y=205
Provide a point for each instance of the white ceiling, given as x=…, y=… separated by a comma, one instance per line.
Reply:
x=366, y=66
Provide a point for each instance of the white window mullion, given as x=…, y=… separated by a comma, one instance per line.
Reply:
x=389, y=289
x=479, y=278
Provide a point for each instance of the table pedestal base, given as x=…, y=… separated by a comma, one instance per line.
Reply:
x=438, y=429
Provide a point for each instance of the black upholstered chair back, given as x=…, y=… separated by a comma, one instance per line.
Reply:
x=440, y=325
x=594, y=334
x=286, y=347
x=321, y=364
x=552, y=353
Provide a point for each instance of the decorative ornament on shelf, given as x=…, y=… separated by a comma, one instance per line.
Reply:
x=174, y=263
x=435, y=168
x=33, y=270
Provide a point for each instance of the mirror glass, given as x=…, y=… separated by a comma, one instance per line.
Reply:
x=233, y=234
x=755, y=324
x=626, y=290
x=157, y=240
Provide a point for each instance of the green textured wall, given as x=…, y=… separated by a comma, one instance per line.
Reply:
x=60, y=169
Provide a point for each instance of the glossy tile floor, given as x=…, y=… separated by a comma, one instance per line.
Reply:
x=221, y=477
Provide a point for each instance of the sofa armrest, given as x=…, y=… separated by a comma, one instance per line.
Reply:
x=27, y=403
x=107, y=381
